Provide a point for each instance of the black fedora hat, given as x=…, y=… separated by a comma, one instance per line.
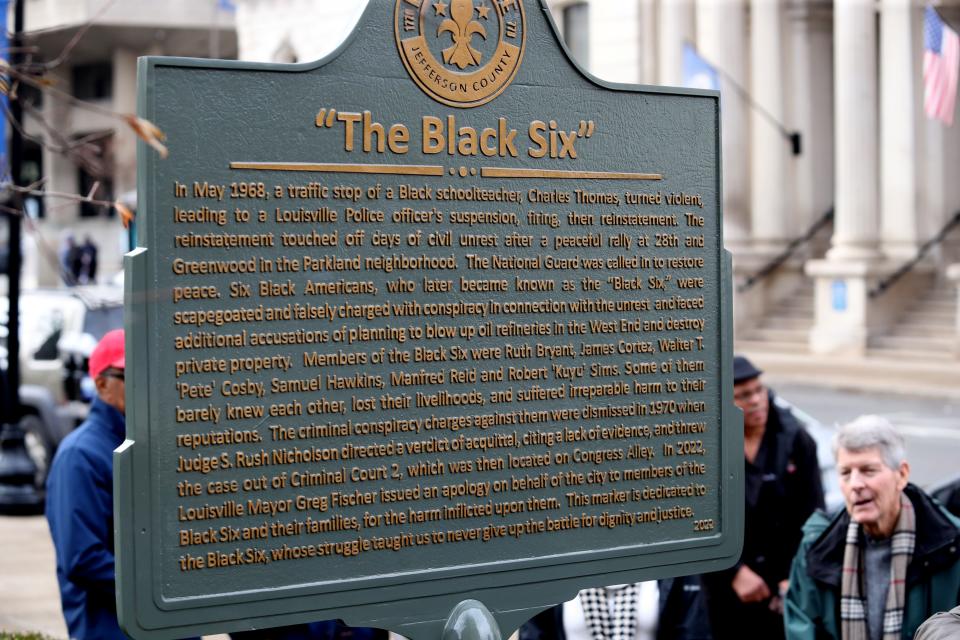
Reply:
x=743, y=369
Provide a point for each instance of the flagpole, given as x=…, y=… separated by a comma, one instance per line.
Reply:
x=18, y=495
x=792, y=136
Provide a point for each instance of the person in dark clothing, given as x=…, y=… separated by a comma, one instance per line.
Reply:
x=782, y=489
x=326, y=630
x=79, y=505
x=69, y=257
x=87, y=258
x=681, y=614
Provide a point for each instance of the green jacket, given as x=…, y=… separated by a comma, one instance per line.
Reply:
x=812, y=609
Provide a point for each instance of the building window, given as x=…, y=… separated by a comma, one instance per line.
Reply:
x=94, y=157
x=576, y=31
x=93, y=81
x=31, y=96
x=30, y=173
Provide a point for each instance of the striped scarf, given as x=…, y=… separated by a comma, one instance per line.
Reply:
x=604, y=625
x=853, y=610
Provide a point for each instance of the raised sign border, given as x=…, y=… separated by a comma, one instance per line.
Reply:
x=513, y=591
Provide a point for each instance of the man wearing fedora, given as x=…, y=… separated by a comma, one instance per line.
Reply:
x=782, y=488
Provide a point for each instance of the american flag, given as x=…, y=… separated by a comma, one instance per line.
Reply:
x=941, y=64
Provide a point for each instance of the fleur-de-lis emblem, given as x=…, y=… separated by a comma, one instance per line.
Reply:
x=462, y=28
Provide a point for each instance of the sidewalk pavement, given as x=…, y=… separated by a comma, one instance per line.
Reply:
x=873, y=374
x=29, y=595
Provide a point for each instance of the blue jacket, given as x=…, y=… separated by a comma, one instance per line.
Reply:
x=80, y=513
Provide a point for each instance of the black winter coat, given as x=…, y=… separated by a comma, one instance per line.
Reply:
x=782, y=489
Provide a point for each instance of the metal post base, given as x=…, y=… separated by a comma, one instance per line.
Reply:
x=470, y=620
x=18, y=495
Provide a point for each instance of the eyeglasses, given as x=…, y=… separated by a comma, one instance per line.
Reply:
x=113, y=374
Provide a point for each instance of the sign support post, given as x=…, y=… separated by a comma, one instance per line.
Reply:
x=471, y=620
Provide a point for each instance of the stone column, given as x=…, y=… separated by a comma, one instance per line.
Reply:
x=844, y=313
x=615, y=40
x=770, y=212
x=676, y=26
x=855, y=85
x=124, y=101
x=721, y=40
x=61, y=174
x=809, y=109
x=898, y=157
x=648, y=41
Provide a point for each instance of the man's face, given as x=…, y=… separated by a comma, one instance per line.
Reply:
x=111, y=389
x=871, y=489
x=751, y=396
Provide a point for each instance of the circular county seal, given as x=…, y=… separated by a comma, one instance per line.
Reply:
x=462, y=53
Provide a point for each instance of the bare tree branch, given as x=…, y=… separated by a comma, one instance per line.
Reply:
x=126, y=215
x=47, y=87
x=81, y=151
x=145, y=130
x=73, y=197
x=82, y=31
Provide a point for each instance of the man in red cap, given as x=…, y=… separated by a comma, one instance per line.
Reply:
x=80, y=501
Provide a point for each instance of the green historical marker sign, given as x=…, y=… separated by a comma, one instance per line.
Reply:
x=438, y=318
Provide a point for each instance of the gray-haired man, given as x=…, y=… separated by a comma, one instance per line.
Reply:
x=880, y=568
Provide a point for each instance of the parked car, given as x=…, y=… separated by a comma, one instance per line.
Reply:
x=58, y=330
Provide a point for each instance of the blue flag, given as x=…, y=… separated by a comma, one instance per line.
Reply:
x=226, y=5
x=697, y=72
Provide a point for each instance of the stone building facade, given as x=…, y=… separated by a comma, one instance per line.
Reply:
x=847, y=76
x=100, y=67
